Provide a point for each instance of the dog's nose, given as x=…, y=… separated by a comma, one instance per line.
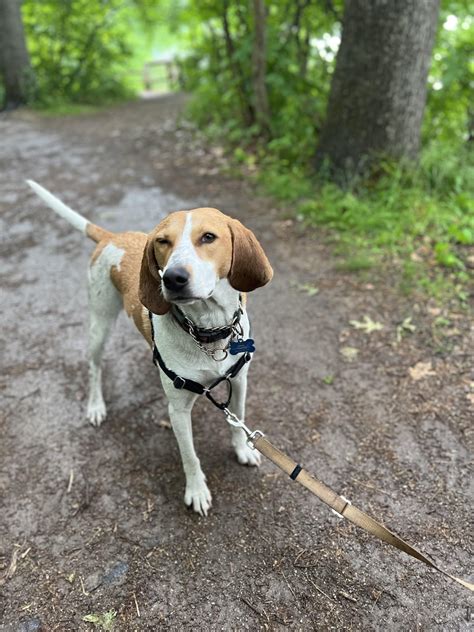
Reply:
x=176, y=279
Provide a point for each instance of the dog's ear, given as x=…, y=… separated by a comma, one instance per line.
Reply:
x=250, y=267
x=149, y=288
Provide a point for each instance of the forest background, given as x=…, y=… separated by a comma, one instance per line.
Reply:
x=357, y=116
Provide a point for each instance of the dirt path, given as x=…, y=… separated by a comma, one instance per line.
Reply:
x=92, y=519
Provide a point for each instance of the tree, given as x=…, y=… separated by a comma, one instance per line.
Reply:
x=259, y=66
x=378, y=90
x=15, y=67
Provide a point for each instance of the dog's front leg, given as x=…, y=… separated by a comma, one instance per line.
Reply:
x=197, y=493
x=245, y=454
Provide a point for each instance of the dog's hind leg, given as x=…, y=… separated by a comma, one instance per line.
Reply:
x=105, y=304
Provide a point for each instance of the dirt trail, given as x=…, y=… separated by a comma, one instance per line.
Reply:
x=93, y=520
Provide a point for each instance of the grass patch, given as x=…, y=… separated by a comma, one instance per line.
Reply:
x=67, y=109
x=419, y=220
x=103, y=621
x=357, y=263
x=64, y=108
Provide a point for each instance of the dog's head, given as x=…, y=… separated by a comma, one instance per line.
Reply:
x=190, y=251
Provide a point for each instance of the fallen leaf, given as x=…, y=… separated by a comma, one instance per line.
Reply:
x=308, y=289
x=452, y=332
x=344, y=335
x=367, y=325
x=470, y=397
x=421, y=370
x=405, y=326
x=350, y=353
x=104, y=621
x=164, y=423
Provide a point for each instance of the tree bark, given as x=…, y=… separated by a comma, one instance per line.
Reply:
x=259, y=68
x=378, y=91
x=15, y=67
x=246, y=108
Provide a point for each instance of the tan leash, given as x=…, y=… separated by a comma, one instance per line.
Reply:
x=340, y=505
x=256, y=440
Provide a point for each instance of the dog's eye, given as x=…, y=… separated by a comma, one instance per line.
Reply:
x=208, y=238
x=163, y=241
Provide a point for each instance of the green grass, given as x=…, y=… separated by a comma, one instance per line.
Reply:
x=67, y=109
x=419, y=220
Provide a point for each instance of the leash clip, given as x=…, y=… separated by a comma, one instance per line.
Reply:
x=256, y=434
x=348, y=502
x=233, y=420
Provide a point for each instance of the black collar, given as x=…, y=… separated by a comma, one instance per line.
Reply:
x=206, y=336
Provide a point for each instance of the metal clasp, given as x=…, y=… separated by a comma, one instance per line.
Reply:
x=179, y=382
x=233, y=420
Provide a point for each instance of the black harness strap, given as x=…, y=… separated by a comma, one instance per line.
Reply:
x=180, y=382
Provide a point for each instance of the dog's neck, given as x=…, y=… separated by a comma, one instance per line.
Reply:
x=216, y=311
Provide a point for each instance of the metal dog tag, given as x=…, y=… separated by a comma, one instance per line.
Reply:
x=242, y=346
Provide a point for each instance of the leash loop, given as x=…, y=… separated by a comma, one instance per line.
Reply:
x=208, y=393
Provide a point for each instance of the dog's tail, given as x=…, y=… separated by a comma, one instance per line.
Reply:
x=96, y=233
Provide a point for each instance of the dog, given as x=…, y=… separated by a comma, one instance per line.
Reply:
x=184, y=284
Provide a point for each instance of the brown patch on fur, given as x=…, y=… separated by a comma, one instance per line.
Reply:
x=126, y=277
x=236, y=253
x=155, y=258
x=96, y=233
x=250, y=267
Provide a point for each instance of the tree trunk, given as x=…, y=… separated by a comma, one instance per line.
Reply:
x=378, y=91
x=15, y=67
x=259, y=67
x=246, y=108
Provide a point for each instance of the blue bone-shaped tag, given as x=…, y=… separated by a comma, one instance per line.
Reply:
x=242, y=346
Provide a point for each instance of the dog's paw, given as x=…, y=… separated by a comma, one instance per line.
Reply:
x=96, y=412
x=247, y=456
x=198, y=497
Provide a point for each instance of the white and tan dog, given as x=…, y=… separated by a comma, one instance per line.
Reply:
x=200, y=260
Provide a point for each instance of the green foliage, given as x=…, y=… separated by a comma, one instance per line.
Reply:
x=92, y=51
x=301, y=41
x=104, y=621
x=421, y=217
x=77, y=48
x=450, y=111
